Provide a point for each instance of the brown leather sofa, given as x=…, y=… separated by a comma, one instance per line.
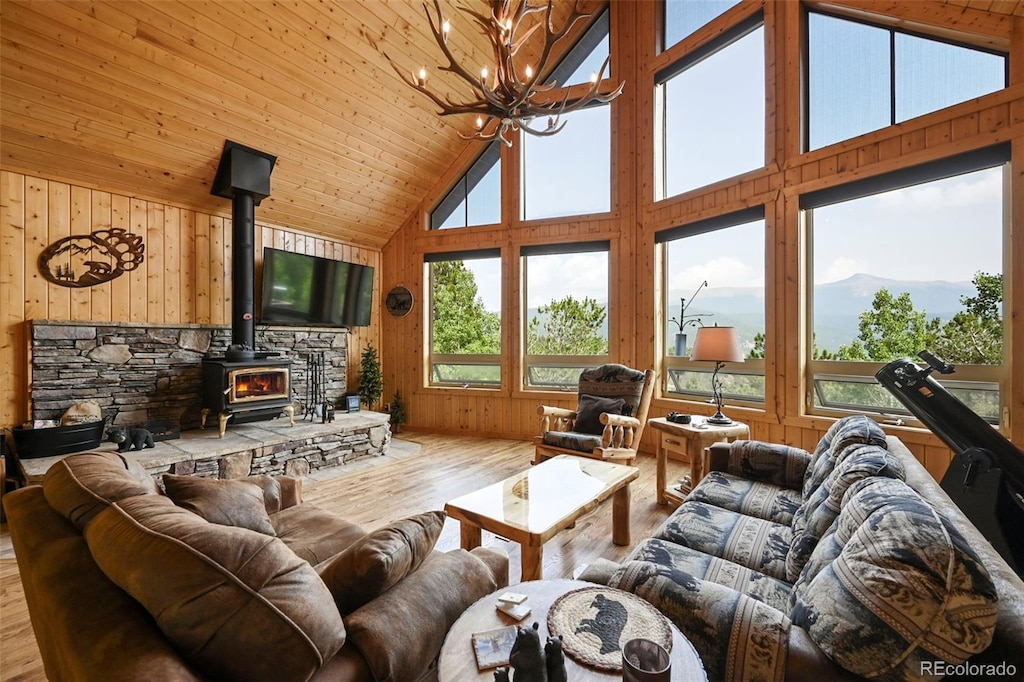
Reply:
x=124, y=584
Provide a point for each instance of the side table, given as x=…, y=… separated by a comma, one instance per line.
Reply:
x=688, y=440
x=457, y=662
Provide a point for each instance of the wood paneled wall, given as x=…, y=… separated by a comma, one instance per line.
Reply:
x=635, y=217
x=185, y=278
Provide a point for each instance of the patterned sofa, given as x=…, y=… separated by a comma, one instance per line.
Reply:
x=846, y=563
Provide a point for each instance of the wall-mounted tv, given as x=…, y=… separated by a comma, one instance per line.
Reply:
x=304, y=290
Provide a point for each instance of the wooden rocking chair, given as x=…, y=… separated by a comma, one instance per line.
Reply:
x=608, y=420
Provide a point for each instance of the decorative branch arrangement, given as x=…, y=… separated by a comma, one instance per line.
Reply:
x=90, y=259
x=508, y=95
x=685, y=319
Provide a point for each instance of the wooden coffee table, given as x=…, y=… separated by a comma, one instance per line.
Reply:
x=532, y=507
x=458, y=664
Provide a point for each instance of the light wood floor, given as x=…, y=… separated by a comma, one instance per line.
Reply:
x=446, y=467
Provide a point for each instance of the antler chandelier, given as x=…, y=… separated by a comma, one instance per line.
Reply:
x=502, y=92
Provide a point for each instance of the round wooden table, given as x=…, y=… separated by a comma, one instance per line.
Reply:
x=458, y=664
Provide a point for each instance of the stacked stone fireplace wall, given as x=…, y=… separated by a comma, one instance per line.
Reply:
x=145, y=373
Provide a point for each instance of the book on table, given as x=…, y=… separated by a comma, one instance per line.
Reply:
x=492, y=647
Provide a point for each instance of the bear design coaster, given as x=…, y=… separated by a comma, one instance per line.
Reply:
x=595, y=622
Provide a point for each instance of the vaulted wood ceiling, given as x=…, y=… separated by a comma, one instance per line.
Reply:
x=139, y=97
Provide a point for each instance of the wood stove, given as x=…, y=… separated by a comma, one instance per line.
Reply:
x=243, y=384
x=246, y=390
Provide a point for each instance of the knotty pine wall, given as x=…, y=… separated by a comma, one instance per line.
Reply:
x=634, y=312
x=186, y=276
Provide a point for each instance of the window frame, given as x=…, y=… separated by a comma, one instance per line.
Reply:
x=432, y=359
x=529, y=361
x=671, y=363
x=734, y=33
x=892, y=30
x=967, y=376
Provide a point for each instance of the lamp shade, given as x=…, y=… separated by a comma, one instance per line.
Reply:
x=717, y=344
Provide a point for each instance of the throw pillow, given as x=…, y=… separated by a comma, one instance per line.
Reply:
x=237, y=605
x=590, y=409
x=228, y=502
x=379, y=560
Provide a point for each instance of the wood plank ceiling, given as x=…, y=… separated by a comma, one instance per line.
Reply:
x=138, y=97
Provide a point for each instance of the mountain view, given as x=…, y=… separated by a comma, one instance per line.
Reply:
x=837, y=305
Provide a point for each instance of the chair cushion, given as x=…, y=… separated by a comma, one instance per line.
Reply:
x=815, y=516
x=853, y=430
x=893, y=584
x=590, y=409
x=570, y=440
x=614, y=381
x=754, y=498
x=236, y=604
x=380, y=559
x=229, y=502
x=771, y=591
x=81, y=486
x=745, y=540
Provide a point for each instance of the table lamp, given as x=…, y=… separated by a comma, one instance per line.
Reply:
x=718, y=345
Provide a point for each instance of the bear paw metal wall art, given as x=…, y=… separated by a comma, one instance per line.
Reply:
x=91, y=259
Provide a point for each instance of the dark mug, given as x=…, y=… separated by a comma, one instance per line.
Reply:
x=645, y=661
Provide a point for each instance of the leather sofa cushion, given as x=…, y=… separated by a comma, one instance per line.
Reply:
x=379, y=560
x=894, y=584
x=237, y=605
x=314, y=534
x=81, y=486
x=229, y=502
x=429, y=600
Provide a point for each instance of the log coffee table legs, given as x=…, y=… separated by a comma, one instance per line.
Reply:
x=620, y=516
x=469, y=534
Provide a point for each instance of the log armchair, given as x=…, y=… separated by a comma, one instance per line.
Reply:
x=608, y=421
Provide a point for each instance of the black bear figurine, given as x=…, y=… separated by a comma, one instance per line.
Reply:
x=527, y=657
x=555, y=660
x=127, y=438
x=501, y=675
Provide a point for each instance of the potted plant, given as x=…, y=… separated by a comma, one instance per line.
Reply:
x=371, y=383
x=397, y=412
x=685, y=320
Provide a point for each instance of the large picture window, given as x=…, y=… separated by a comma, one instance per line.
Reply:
x=711, y=112
x=465, y=318
x=714, y=273
x=565, y=320
x=863, y=77
x=683, y=17
x=476, y=198
x=903, y=263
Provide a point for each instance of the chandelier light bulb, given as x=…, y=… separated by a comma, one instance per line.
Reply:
x=446, y=28
x=593, y=76
x=529, y=72
x=479, y=122
x=423, y=76
x=483, y=74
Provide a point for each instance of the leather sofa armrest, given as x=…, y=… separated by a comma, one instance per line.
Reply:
x=291, y=490
x=805, y=662
x=400, y=633
x=497, y=562
x=783, y=465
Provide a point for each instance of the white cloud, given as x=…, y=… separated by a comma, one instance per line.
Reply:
x=839, y=269
x=724, y=271
x=957, y=192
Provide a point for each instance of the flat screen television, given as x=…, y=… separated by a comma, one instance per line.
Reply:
x=302, y=290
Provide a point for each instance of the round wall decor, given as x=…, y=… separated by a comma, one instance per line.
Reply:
x=399, y=301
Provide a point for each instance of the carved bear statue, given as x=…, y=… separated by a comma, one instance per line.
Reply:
x=128, y=438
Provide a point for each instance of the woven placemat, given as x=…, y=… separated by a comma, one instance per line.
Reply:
x=594, y=623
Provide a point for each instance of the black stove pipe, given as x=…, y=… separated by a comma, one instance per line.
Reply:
x=243, y=175
x=243, y=271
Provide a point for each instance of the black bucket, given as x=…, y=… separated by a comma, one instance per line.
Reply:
x=57, y=440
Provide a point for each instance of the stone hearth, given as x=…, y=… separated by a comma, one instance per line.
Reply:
x=269, y=447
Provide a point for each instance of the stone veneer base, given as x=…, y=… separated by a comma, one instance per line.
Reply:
x=268, y=447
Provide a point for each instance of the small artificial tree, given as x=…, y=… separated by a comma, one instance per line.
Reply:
x=371, y=383
x=397, y=412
